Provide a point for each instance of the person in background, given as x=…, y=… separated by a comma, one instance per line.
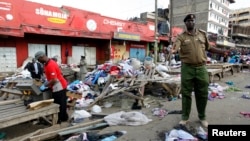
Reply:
x=35, y=69
x=83, y=68
x=56, y=82
x=55, y=58
x=192, y=46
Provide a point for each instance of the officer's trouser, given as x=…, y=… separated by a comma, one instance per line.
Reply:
x=194, y=78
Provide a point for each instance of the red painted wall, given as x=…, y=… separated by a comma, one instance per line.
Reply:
x=67, y=21
x=22, y=51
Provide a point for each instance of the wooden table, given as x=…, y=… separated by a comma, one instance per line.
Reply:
x=246, y=65
x=213, y=72
x=238, y=66
x=224, y=66
x=14, y=112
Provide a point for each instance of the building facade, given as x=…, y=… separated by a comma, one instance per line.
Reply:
x=240, y=27
x=211, y=16
x=240, y=16
x=27, y=27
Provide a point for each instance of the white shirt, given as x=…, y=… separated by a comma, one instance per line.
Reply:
x=36, y=67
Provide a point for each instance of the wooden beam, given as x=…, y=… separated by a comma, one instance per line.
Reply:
x=10, y=101
x=26, y=138
x=80, y=130
x=132, y=95
x=51, y=134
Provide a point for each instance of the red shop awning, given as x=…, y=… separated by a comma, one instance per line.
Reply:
x=147, y=39
x=64, y=32
x=9, y=31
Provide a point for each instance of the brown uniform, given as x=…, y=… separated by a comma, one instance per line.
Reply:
x=192, y=48
x=194, y=76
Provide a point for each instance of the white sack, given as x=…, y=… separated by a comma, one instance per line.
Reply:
x=127, y=118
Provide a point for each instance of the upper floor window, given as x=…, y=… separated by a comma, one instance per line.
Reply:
x=244, y=14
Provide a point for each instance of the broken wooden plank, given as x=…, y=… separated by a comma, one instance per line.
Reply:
x=40, y=104
x=132, y=95
x=105, y=90
x=115, y=92
x=54, y=133
x=12, y=91
x=80, y=130
x=26, y=138
x=10, y=101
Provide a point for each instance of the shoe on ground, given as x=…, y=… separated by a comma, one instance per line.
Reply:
x=183, y=122
x=204, y=123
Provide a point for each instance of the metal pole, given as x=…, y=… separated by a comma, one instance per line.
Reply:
x=156, y=37
x=171, y=21
x=169, y=56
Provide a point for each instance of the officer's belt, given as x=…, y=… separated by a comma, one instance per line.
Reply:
x=194, y=65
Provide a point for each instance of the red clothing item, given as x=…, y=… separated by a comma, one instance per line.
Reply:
x=52, y=71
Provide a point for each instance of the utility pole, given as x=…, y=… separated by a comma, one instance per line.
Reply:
x=169, y=56
x=171, y=21
x=156, y=37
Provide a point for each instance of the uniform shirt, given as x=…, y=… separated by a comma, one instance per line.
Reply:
x=192, y=48
x=52, y=71
x=83, y=68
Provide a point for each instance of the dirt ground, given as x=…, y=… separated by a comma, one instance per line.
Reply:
x=219, y=111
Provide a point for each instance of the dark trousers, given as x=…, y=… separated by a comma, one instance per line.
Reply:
x=61, y=99
x=36, y=76
x=194, y=78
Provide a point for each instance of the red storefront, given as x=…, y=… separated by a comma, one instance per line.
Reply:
x=27, y=27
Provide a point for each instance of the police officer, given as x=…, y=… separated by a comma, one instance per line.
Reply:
x=192, y=45
x=83, y=68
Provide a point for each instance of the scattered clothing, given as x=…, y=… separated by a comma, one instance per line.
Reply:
x=159, y=112
x=127, y=118
x=92, y=136
x=247, y=86
x=245, y=96
x=245, y=114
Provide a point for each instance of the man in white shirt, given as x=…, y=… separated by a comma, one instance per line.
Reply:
x=35, y=69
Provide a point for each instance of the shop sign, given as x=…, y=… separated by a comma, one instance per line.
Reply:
x=126, y=36
x=137, y=45
x=53, y=16
x=113, y=22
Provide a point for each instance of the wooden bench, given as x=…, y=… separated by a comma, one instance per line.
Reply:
x=246, y=65
x=213, y=72
x=238, y=67
x=224, y=66
x=14, y=112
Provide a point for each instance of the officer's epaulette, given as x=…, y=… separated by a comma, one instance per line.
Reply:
x=203, y=31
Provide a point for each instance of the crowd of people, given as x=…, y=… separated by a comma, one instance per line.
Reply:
x=237, y=53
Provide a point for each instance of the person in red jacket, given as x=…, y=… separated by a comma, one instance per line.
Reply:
x=56, y=82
